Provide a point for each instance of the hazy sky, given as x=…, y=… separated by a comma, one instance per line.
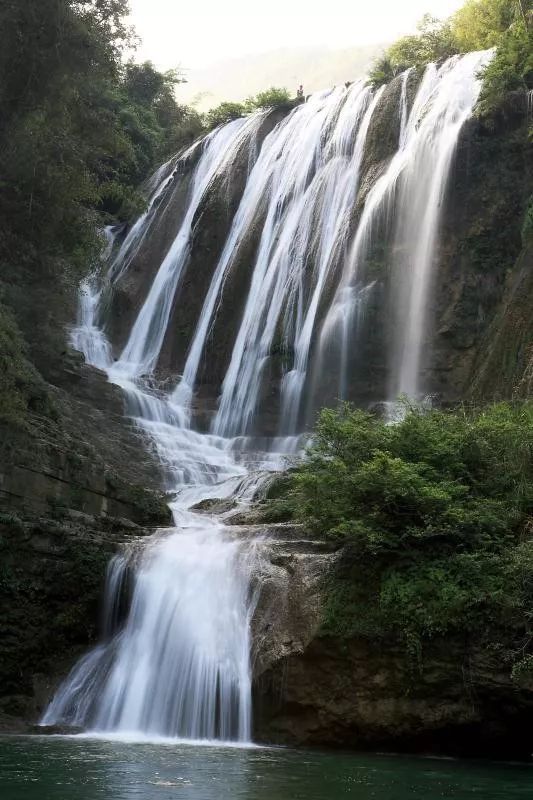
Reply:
x=195, y=34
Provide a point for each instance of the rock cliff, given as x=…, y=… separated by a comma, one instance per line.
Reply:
x=76, y=481
x=455, y=696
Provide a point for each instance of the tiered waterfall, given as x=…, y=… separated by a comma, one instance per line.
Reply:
x=242, y=299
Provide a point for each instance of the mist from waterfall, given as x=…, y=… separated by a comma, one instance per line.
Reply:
x=175, y=657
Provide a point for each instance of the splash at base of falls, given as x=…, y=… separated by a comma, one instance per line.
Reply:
x=180, y=665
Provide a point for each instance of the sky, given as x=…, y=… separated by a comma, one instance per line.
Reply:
x=196, y=34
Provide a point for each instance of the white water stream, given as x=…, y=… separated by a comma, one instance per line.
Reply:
x=178, y=664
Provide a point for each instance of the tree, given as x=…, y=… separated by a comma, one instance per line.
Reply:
x=479, y=24
x=433, y=516
x=269, y=98
x=434, y=41
x=224, y=113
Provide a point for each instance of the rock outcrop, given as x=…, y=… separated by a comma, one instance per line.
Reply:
x=368, y=695
x=455, y=697
x=75, y=483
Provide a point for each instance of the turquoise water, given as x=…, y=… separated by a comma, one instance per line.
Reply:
x=57, y=768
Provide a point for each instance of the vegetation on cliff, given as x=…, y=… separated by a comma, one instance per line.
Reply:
x=21, y=387
x=225, y=112
x=478, y=25
x=81, y=128
x=434, y=516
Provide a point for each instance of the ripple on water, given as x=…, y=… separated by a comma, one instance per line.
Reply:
x=89, y=768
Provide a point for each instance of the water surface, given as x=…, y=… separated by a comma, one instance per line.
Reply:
x=61, y=768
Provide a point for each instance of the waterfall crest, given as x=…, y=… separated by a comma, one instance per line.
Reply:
x=313, y=212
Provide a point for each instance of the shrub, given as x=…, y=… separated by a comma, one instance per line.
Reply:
x=21, y=387
x=431, y=513
x=269, y=98
x=434, y=41
x=510, y=69
x=224, y=113
x=479, y=24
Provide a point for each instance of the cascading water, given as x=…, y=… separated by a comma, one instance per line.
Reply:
x=311, y=165
x=177, y=661
x=142, y=349
x=423, y=182
x=409, y=194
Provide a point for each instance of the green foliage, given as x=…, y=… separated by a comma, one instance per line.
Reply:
x=269, y=98
x=21, y=387
x=479, y=24
x=382, y=71
x=522, y=672
x=510, y=69
x=224, y=113
x=433, y=517
x=79, y=131
x=434, y=41
x=228, y=111
x=155, y=125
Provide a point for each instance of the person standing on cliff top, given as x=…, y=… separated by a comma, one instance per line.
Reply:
x=300, y=92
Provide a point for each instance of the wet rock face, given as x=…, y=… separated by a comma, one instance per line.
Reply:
x=480, y=262
x=85, y=455
x=210, y=230
x=129, y=293
x=74, y=486
x=505, y=367
x=314, y=689
x=361, y=694
x=53, y=573
x=290, y=579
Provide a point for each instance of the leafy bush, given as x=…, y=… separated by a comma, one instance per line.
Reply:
x=224, y=113
x=434, y=41
x=479, y=24
x=228, y=111
x=21, y=387
x=432, y=514
x=510, y=69
x=269, y=98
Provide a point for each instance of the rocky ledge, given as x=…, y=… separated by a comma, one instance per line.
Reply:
x=456, y=697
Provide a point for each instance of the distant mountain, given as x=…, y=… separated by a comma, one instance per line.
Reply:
x=314, y=67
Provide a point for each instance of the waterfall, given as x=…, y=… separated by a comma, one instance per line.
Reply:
x=409, y=195
x=142, y=349
x=175, y=656
x=180, y=666
x=131, y=245
x=312, y=175
x=430, y=146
